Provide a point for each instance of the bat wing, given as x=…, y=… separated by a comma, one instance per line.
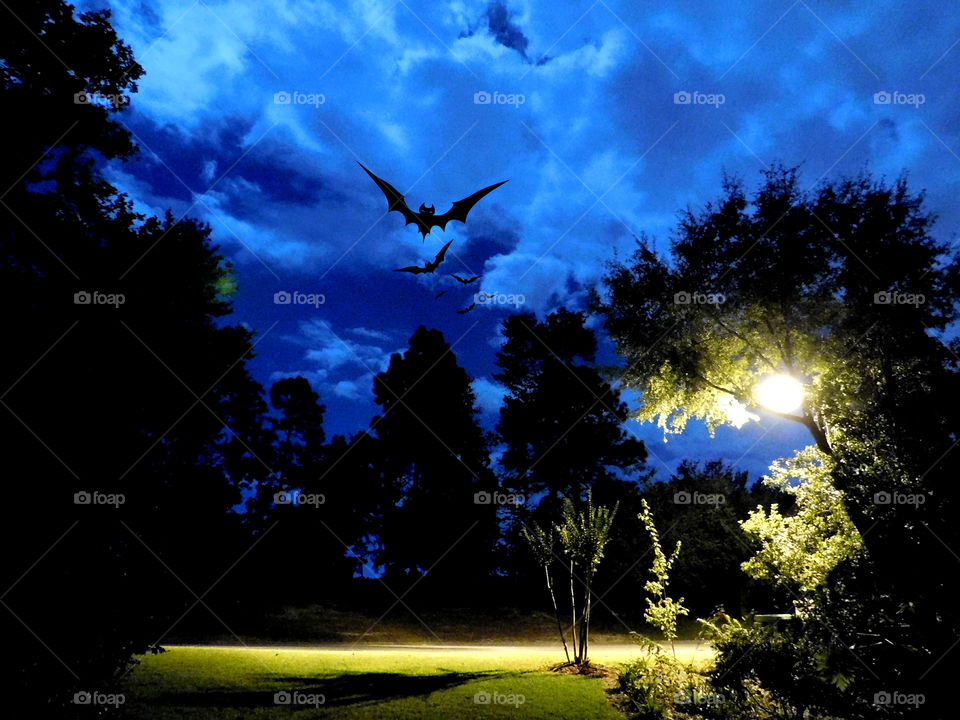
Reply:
x=441, y=255
x=462, y=207
x=395, y=202
x=442, y=292
x=466, y=309
x=416, y=270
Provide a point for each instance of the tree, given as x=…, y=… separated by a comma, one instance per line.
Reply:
x=703, y=504
x=802, y=549
x=438, y=515
x=542, y=543
x=584, y=534
x=845, y=289
x=142, y=400
x=561, y=422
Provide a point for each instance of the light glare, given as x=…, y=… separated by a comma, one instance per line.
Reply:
x=780, y=393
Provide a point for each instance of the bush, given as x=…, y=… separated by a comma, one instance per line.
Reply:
x=660, y=686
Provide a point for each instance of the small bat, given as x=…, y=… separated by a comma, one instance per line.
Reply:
x=465, y=282
x=426, y=218
x=442, y=292
x=466, y=309
x=430, y=266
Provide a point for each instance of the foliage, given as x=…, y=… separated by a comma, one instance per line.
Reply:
x=434, y=460
x=662, y=610
x=844, y=288
x=561, y=421
x=658, y=685
x=584, y=535
x=541, y=543
x=800, y=550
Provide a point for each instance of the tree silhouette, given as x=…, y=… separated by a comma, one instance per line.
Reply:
x=434, y=461
x=148, y=397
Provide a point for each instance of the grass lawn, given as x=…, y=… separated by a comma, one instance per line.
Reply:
x=367, y=682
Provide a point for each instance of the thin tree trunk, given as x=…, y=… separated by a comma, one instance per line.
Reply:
x=573, y=612
x=556, y=611
x=585, y=626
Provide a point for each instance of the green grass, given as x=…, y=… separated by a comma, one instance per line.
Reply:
x=218, y=682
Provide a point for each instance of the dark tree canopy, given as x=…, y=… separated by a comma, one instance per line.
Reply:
x=561, y=422
x=434, y=458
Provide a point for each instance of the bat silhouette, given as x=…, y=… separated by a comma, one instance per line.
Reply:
x=466, y=309
x=428, y=267
x=465, y=282
x=442, y=292
x=426, y=218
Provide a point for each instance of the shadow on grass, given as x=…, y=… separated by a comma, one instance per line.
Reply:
x=338, y=690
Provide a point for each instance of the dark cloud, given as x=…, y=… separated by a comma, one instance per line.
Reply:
x=506, y=33
x=500, y=24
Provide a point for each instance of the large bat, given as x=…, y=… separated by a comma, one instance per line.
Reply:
x=426, y=218
x=428, y=267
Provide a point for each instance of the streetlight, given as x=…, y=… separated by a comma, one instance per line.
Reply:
x=780, y=393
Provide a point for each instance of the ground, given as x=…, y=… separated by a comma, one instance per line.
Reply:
x=510, y=675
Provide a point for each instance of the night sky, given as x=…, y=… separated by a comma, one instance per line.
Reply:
x=586, y=119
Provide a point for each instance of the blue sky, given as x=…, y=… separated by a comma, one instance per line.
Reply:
x=583, y=121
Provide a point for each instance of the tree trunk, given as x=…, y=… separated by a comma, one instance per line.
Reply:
x=573, y=611
x=556, y=611
x=585, y=626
